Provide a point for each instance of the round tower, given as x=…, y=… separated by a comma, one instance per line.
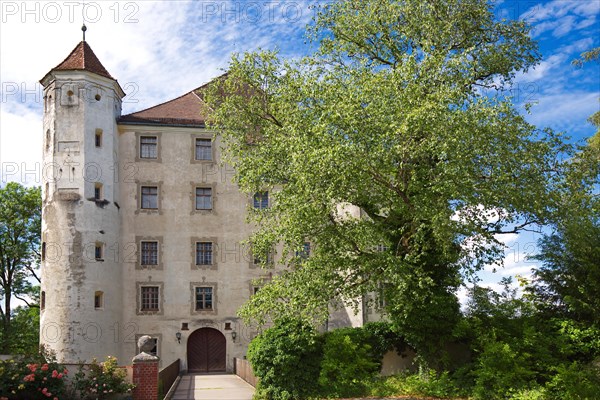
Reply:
x=81, y=272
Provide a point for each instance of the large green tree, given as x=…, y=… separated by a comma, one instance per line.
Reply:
x=20, y=227
x=399, y=113
x=568, y=282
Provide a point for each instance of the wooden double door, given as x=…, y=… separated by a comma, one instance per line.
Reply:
x=206, y=351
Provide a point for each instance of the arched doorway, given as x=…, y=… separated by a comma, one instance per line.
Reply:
x=206, y=351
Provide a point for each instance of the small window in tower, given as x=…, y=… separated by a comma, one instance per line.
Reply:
x=43, y=251
x=47, y=139
x=98, y=138
x=227, y=326
x=97, y=97
x=43, y=300
x=98, y=300
x=98, y=191
x=98, y=252
x=70, y=93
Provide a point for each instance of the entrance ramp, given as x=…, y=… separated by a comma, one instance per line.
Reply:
x=213, y=387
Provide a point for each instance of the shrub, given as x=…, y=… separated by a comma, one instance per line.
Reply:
x=103, y=380
x=286, y=359
x=574, y=381
x=500, y=369
x=347, y=363
x=32, y=377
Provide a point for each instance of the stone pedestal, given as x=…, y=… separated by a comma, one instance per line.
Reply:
x=145, y=372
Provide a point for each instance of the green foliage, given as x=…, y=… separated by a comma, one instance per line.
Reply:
x=574, y=381
x=25, y=325
x=102, y=380
x=286, y=359
x=347, y=364
x=20, y=227
x=32, y=377
x=427, y=383
x=499, y=369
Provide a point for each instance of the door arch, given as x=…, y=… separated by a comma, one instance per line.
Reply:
x=207, y=351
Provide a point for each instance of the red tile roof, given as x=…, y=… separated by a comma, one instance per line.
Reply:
x=188, y=109
x=83, y=58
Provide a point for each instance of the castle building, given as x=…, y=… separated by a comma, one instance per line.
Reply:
x=143, y=229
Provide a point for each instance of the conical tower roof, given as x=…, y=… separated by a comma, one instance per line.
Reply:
x=82, y=58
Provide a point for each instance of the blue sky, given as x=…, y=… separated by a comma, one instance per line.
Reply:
x=159, y=50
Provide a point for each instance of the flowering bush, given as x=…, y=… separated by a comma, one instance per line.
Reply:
x=103, y=380
x=31, y=378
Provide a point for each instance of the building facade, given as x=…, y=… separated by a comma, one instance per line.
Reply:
x=143, y=229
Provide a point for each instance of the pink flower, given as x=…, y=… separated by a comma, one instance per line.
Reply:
x=32, y=367
x=54, y=373
x=44, y=390
x=60, y=376
x=29, y=378
x=44, y=367
x=45, y=378
x=65, y=371
x=56, y=398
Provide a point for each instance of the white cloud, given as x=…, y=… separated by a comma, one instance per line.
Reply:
x=563, y=111
x=561, y=16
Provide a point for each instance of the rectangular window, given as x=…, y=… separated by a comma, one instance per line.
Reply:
x=150, y=197
x=204, y=253
x=98, y=138
x=43, y=300
x=203, y=149
x=149, y=298
x=98, y=191
x=204, y=298
x=98, y=251
x=203, y=199
x=98, y=297
x=261, y=200
x=149, y=253
x=148, y=147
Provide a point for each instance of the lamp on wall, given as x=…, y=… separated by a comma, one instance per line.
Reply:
x=178, y=336
x=233, y=335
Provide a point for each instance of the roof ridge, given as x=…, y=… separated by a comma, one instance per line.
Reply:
x=159, y=104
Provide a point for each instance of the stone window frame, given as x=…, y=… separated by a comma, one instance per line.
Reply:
x=258, y=283
x=138, y=147
x=214, y=199
x=138, y=253
x=215, y=253
x=159, y=194
x=193, y=147
x=270, y=263
x=215, y=288
x=138, y=298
